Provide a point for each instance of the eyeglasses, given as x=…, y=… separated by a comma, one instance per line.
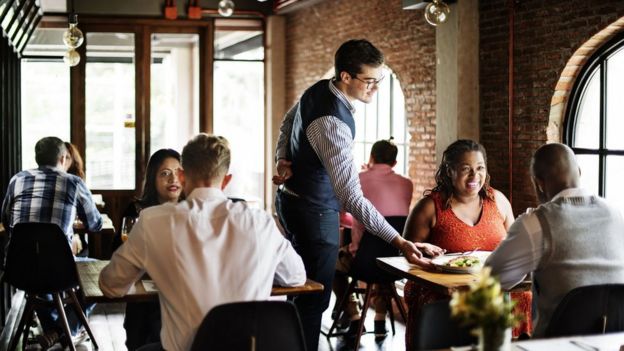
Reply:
x=369, y=81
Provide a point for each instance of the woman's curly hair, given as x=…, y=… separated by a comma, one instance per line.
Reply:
x=450, y=160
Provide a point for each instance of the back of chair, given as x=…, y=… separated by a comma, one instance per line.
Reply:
x=364, y=265
x=435, y=329
x=39, y=259
x=593, y=309
x=253, y=325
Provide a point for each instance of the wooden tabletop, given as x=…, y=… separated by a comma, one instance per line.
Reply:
x=441, y=282
x=89, y=273
x=444, y=283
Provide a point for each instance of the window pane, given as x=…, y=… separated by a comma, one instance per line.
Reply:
x=110, y=120
x=360, y=157
x=615, y=103
x=45, y=105
x=588, y=120
x=589, y=172
x=239, y=116
x=174, y=115
x=238, y=45
x=399, y=127
x=615, y=186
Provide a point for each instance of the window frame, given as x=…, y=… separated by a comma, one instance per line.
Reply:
x=596, y=61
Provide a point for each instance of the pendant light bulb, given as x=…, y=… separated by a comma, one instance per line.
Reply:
x=437, y=12
x=226, y=8
x=73, y=36
x=71, y=58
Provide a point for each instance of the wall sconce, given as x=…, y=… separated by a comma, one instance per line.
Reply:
x=72, y=38
x=437, y=12
x=226, y=8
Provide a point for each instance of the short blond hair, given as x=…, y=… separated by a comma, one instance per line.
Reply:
x=206, y=157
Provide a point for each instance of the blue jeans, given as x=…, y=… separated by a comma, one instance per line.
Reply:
x=313, y=231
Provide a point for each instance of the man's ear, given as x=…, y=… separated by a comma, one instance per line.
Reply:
x=226, y=180
x=345, y=77
x=181, y=176
x=539, y=184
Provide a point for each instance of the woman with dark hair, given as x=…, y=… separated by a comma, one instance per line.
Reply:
x=161, y=185
x=74, y=164
x=461, y=213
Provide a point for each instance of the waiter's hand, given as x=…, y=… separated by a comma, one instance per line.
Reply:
x=411, y=252
x=283, y=171
x=430, y=250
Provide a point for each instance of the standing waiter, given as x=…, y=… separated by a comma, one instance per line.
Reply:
x=315, y=165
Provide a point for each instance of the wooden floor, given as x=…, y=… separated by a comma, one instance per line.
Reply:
x=107, y=324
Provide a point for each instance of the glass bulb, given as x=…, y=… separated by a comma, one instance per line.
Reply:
x=73, y=36
x=437, y=12
x=71, y=57
x=226, y=8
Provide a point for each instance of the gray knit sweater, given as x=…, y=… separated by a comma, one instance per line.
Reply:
x=583, y=245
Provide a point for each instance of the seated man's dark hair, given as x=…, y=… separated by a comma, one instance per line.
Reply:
x=48, y=151
x=384, y=151
x=354, y=53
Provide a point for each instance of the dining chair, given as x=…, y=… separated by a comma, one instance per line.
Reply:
x=593, y=309
x=39, y=261
x=378, y=282
x=435, y=329
x=251, y=326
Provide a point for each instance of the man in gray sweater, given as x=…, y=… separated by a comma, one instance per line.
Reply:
x=572, y=239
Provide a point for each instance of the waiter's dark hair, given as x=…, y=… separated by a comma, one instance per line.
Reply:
x=351, y=55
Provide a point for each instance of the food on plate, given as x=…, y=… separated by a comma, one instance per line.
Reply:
x=464, y=261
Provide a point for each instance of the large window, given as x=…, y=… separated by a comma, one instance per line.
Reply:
x=383, y=118
x=47, y=82
x=174, y=113
x=45, y=92
x=595, y=121
x=110, y=112
x=239, y=107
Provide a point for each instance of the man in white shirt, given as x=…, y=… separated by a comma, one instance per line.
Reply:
x=203, y=251
x=572, y=239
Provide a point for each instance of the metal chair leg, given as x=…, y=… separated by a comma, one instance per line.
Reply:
x=341, y=306
x=367, y=298
x=61, y=312
x=21, y=325
x=82, y=316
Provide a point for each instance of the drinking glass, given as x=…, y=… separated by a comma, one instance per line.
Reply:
x=126, y=226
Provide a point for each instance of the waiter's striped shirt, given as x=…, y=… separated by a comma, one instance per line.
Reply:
x=331, y=140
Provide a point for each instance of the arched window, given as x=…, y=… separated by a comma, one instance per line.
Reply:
x=595, y=121
x=383, y=118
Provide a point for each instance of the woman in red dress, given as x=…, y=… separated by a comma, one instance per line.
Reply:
x=461, y=213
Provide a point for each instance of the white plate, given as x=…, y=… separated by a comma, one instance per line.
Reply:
x=441, y=261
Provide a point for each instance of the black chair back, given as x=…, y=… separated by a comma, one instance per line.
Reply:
x=253, y=325
x=39, y=259
x=364, y=266
x=592, y=309
x=435, y=329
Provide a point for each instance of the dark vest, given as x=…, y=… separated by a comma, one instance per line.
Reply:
x=310, y=179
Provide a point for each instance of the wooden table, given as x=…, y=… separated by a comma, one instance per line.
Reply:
x=604, y=342
x=89, y=273
x=100, y=243
x=444, y=283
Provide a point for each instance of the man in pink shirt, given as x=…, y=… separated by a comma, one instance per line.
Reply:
x=391, y=194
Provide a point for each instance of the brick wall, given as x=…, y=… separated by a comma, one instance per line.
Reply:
x=547, y=34
x=314, y=33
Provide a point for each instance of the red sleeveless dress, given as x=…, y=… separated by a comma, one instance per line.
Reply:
x=454, y=235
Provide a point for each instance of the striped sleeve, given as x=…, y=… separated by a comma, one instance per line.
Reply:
x=331, y=140
x=281, y=150
x=87, y=211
